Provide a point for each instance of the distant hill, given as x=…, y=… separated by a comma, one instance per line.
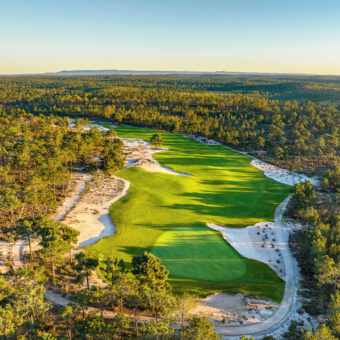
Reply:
x=129, y=72
x=150, y=72
x=134, y=72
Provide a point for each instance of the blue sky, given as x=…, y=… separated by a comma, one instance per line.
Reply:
x=297, y=36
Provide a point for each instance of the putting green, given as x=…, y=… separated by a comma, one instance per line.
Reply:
x=181, y=250
x=166, y=214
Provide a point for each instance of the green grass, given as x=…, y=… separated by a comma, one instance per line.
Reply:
x=166, y=214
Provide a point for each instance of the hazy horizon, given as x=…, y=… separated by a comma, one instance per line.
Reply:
x=179, y=72
x=290, y=37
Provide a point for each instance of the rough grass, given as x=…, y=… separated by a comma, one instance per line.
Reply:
x=166, y=214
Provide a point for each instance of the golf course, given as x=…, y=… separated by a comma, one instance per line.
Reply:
x=166, y=214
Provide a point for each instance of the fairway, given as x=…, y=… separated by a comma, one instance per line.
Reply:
x=166, y=214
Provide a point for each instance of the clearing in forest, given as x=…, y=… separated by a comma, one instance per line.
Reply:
x=166, y=214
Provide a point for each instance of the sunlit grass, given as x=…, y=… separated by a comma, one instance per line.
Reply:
x=166, y=214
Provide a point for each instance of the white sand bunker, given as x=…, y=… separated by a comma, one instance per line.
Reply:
x=72, y=124
x=99, y=127
x=235, y=309
x=77, y=186
x=281, y=175
x=258, y=242
x=91, y=215
x=203, y=140
x=139, y=154
x=271, y=171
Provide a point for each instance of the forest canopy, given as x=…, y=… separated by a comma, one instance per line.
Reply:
x=245, y=112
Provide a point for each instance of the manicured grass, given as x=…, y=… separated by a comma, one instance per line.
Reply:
x=166, y=214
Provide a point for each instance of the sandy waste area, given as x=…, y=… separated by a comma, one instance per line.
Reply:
x=139, y=154
x=258, y=242
x=91, y=215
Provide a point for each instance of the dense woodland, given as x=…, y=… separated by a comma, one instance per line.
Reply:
x=39, y=150
x=302, y=135
x=36, y=157
x=317, y=246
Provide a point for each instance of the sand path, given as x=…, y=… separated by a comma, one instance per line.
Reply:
x=282, y=313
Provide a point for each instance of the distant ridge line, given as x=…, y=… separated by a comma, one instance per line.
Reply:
x=148, y=72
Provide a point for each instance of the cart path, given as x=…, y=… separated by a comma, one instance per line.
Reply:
x=285, y=308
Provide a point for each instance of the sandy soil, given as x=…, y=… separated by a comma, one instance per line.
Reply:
x=78, y=182
x=5, y=253
x=139, y=153
x=235, y=309
x=259, y=242
x=281, y=175
x=13, y=252
x=91, y=215
x=203, y=140
x=88, y=127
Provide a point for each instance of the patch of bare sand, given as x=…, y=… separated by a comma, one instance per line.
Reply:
x=259, y=242
x=235, y=309
x=91, y=214
x=77, y=186
x=272, y=171
x=139, y=153
x=281, y=175
x=5, y=254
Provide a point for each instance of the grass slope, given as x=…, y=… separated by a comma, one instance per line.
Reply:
x=166, y=214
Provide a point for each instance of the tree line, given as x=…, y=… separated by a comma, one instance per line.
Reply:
x=318, y=249
x=127, y=294
x=298, y=135
x=37, y=156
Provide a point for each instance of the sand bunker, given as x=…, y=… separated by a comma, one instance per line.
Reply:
x=88, y=127
x=258, y=242
x=91, y=215
x=139, y=153
x=270, y=170
x=203, y=140
x=281, y=175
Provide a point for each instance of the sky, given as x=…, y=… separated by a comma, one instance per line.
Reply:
x=268, y=36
